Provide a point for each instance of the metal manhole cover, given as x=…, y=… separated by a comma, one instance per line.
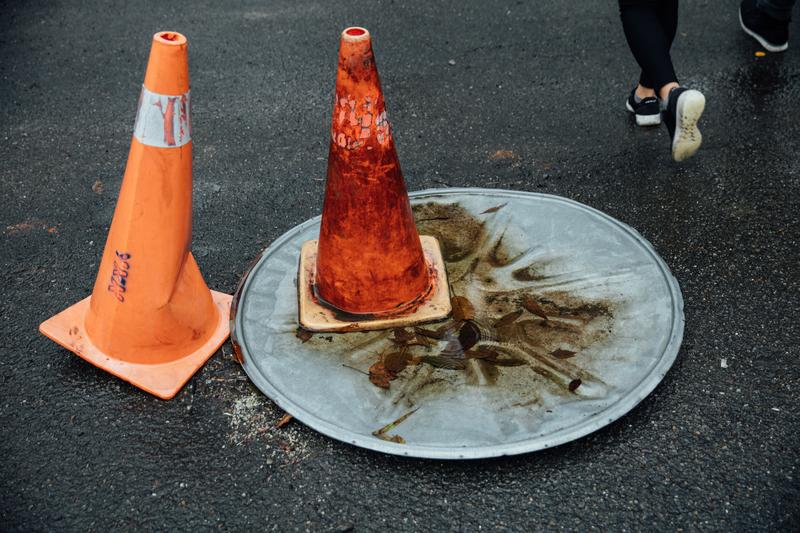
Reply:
x=572, y=319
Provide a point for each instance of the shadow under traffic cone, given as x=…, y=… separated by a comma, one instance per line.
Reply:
x=151, y=320
x=370, y=269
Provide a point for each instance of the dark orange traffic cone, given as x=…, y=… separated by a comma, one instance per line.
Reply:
x=151, y=320
x=371, y=268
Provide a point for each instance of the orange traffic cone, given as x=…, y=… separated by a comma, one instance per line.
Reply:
x=151, y=320
x=369, y=269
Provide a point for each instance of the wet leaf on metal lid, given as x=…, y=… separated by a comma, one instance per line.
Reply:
x=380, y=376
x=382, y=432
x=574, y=384
x=402, y=335
x=419, y=340
x=462, y=308
x=562, y=354
x=391, y=438
x=430, y=333
x=507, y=361
x=508, y=319
x=532, y=306
x=395, y=362
x=448, y=327
x=440, y=361
x=500, y=255
x=469, y=335
x=379, y=381
x=481, y=353
x=303, y=334
x=494, y=209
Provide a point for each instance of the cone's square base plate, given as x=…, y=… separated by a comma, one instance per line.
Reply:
x=319, y=318
x=163, y=380
x=570, y=319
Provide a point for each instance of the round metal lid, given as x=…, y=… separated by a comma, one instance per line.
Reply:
x=570, y=320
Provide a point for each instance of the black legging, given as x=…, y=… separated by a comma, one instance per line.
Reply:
x=650, y=27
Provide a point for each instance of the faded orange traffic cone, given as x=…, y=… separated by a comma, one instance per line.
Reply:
x=151, y=320
x=369, y=269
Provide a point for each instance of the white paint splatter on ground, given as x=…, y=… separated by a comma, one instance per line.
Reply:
x=253, y=419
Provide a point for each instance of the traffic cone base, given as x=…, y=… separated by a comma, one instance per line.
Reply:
x=163, y=380
x=317, y=316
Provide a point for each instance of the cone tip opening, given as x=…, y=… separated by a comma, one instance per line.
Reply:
x=355, y=34
x=171, y=38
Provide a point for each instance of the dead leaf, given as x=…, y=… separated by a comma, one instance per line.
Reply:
x=562, y=354
x=285, y=419
x=392, y=425
x=494, y=209
x=17, y=228
x=303, y=334
x=391, y=438
x=97, y=187
x=469, y=335
x=395, y=362
x=430, y=333
x=402, y=336
x=462, y=308
x=532, y=306
x=574, y=384
x=237, y=352
x=419, y=340
x=502, y=154
x=507, y=361
x=508, y=319
x=446, y=363
x=380, y=376
x=481, y=353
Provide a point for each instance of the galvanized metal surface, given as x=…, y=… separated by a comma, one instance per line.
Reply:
x=567, y=255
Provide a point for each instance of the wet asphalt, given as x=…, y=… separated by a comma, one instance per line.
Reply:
x=513, y=95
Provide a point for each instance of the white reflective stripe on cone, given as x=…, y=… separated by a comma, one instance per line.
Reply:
x=163, y=120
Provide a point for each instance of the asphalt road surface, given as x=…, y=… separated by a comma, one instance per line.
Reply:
x=513, y=95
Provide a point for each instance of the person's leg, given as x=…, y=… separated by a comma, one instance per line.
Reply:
x=668, y=16
x=649, y=42
x=645, y=88
x=650, y=27
x=667, y=11
x=767, y=21
x=642, y=101
x=777, y=9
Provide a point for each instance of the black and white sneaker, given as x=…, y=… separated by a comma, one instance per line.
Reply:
x=646, y=110
x=684, y=108
x=771, y=33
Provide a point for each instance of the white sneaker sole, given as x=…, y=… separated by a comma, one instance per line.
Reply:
x=688, y=138
x=644, y=120
x=760, y=39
